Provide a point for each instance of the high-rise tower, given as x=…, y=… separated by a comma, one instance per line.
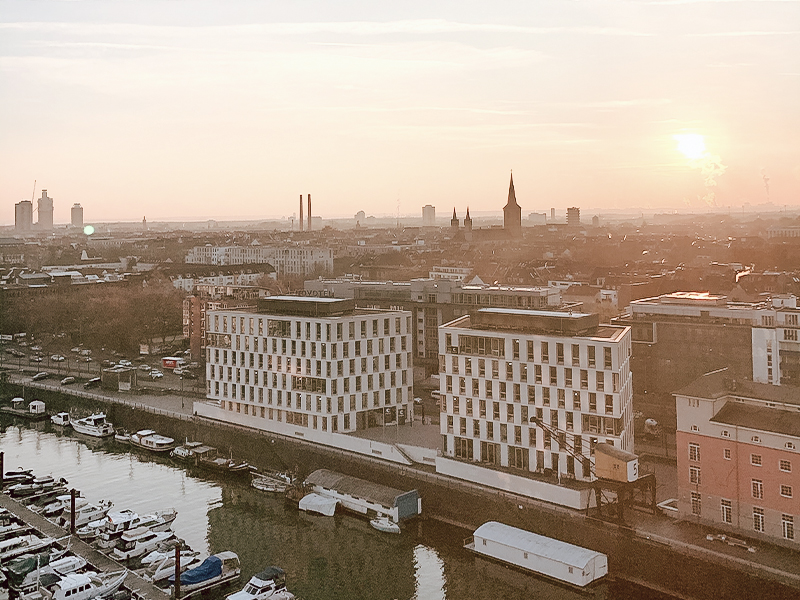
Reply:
x=76, y=215
x=23, y=215
x=512, y=213
x=45, y=208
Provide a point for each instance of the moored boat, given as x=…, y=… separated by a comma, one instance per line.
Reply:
x=122, y=436
x=147, y=439
x=201, y=455
x=268, y=584
x=61, y=419
x=269, y=484
x=81, y=586
x=215, y=571
x=138, y=542
x=94, y=425
x=385, y=524
x=111, y=532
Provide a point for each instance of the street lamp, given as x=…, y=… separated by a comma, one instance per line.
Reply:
x=181, y=378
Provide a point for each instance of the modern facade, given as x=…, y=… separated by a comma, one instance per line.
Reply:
x=45, y=210
x=23, y=215
x=512, y=213
x=433, y=302
x=677, y=337
x=76, y=216
x=739, y=456
x=288, y=260
x=534, y=391
x=310, y=364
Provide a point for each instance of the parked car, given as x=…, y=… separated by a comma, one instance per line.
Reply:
x=155, y=374
x=107, y=363
x=36, y=358
x=144, y=367
x=57, y=358
x=40, y=376
x=67, y=380
x=188, y=374
x=125, y=363
x=93, y=382
x=36, y=348
x=76, y=349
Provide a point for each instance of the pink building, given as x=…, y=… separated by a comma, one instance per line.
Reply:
x=738, y=460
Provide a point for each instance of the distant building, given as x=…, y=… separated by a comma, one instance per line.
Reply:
x=196, y=308
x=677, y=337
x=428, y=216
x=573, y=216
x=433, y=302
x=537, y=218
x=512, y=213
x=454, y=226
x=23, y=215
x=738, y=463
x=76, y=216
x=504, y=371
x=451, y=273
x=468, y=227
x=45, y=210
x=312, y=365
x=287, y=260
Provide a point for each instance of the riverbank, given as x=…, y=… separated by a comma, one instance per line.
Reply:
x=664, y=554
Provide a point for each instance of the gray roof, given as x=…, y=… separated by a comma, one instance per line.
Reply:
x=724, y=382
x=353, y=486
x=568, y=554
x=759, y=418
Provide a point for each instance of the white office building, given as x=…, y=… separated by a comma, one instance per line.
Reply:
x=534, y=390
x=287, y=260
x=309, y=364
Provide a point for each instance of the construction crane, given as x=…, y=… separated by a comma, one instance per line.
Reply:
x=33, y=193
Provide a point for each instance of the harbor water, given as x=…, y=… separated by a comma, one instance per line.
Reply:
x=338, y=558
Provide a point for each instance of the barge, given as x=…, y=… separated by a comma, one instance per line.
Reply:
x=551, y=558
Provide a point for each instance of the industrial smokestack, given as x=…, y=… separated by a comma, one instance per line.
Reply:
x=309, y=212
x=301, y=212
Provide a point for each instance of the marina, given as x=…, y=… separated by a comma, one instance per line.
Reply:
x=338, y=558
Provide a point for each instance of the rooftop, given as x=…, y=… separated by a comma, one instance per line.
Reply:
x=760, y=418
x=548, y=322
x=723, y=382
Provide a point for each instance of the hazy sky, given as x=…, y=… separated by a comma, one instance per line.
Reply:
x=231, y=109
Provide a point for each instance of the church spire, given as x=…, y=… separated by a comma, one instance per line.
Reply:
x=512, y=196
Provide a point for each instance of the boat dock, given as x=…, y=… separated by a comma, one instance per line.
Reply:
x=139, y=587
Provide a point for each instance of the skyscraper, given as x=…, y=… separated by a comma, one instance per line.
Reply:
x=23, y=215
x=76, y=215
x=573, y=216
x=512, y=213
x=45, y=208
x=428, y=215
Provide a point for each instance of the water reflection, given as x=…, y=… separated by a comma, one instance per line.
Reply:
x=429, y=574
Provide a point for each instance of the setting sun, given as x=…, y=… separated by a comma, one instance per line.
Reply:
x=692, y=145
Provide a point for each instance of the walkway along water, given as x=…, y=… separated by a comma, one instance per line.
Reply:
x=660, y=555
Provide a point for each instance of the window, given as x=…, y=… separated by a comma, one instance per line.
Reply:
x=755, y=439
x=590, y=350
x=786, y=491
x=726, y=453
x=545, y=352
x=694, y=475
x=755, y=460
x=696, y=503
x=785, y=466
x=789, y=445
x=758, y=519
x=725, y=433
x=757, y=487
x=727, y=511
x=787, y=522
x=694, y=452
x=606, y=358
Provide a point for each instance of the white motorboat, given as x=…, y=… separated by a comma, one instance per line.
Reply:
x=94, y=425
x=37, y=485
x=118, y=523
x=147, y=439
x=62, y=566
x=215, y=571
x=268, y=584
x=385, y=524
x=81, y=586
x=122, y=436
x=86, y=513
x=21, y=544
x=59, y=505
x=138, y=542
x=61, y=419
x=265, y=483
x=158, y=571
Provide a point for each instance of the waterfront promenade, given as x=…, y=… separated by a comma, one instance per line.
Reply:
x=770, y=562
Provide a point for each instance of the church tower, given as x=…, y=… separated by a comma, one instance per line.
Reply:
x=512, y=213
x=468, y=227
x=454, y=222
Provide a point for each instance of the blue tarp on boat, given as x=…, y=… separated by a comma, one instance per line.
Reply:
x=210, y=567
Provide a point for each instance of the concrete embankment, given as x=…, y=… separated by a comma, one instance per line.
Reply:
x=665, y=564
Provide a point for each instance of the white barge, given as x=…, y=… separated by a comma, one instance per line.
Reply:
x=546, y=556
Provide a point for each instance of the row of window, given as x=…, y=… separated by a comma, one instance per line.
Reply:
x=784, y=464
x=295, y=348
x=726, y=508
x=547, y=401
x=306, y=329
x=492, y=346
x=253, y=394
x=756, y=485
x=564, y=381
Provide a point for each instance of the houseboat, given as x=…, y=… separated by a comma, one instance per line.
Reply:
x=551, y=558
x=94, y=425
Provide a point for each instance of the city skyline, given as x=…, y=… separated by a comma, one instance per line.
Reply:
x=230, y=111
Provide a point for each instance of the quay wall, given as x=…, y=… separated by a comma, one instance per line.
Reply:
x=662, y=564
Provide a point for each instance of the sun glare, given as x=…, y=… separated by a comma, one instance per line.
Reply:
x=691, y=145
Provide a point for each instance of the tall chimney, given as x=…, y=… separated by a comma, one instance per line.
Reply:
x=309, y=212
x=301, y=212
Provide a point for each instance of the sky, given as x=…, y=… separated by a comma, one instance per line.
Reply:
x=175, y=110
